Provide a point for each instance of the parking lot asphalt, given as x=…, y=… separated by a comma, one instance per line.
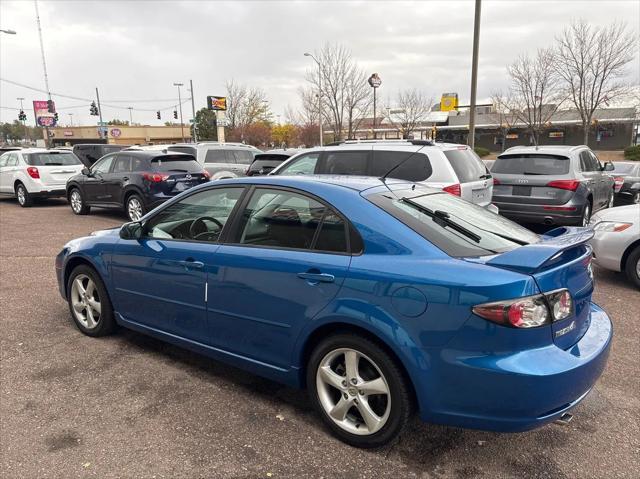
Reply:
x=131, y=406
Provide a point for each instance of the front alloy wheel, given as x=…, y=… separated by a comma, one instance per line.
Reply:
x=89, y=302
x=611, y=200
x=77, y=204
x=636, y=198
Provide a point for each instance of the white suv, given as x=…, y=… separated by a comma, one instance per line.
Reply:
x=453, y=168
x=37, y=173
x=221, y=160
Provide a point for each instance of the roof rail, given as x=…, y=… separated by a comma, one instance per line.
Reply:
x=378, y=140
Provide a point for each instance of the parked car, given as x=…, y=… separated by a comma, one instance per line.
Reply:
x=265, y=163
x=89, y=153
x=488, y=163
x=453, y=168
x=4, y=149
x=552, y=185
x=626, y=174
x=31, y=173
x=377, y=295
x=221, y=160
x=135, y=181
x=616, y=244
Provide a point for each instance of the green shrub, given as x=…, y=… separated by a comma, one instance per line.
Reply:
x=632, y=153
x=481, y=152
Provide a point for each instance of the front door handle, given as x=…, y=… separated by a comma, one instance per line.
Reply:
x=317, y=277
x=192, y=264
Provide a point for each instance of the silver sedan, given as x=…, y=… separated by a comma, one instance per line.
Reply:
x=616, y=244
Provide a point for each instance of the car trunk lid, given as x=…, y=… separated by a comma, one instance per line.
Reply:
x=176, y=173
x=55, y=167
x=476, y=185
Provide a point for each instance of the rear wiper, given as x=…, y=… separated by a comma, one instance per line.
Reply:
x=485, y=176
x=531, y=173
x=442, y=218
x=183, y=171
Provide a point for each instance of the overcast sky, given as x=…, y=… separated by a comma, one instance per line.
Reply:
x=136, y=50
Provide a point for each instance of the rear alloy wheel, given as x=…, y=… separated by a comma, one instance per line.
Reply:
x=586, y=214
x=78, y=205
x=611, y=199
x=89, y=302
x=632, y=267
x=134, y=207
x=359, y=390
x=24, y=198
x=636, y=198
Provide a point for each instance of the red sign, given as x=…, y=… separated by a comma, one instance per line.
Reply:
x=42, y=114
x=115, y=132
x=68, y=133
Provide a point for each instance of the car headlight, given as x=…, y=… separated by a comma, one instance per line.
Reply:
x=611, y=226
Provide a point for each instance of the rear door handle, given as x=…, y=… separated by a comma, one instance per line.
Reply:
x=192, y=264
x=317, y=277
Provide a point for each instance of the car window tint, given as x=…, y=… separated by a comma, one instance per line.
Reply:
x=242, y=157
x=122, y=164
x=303, y=165
x=413, y=166
x=345, y=163
x=103, y=164
x=12, y=160
x=332, y=235
x=198, y=217
x=176, y=164
x=52, y=159
x=467, y=165
x=280, y=219
x=3, y=160
x=215, y=155
x=138, y=164
x=531, y=164
x=597, y=166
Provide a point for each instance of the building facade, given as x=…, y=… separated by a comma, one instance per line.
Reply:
x=120, y=135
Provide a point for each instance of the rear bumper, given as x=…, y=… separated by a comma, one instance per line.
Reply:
x=53, y=193
x=517, y=391
x=543, y=214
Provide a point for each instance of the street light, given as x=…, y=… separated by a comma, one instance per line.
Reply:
x=180, y=102
x=9, y=32
x=319, y=92
x=375, y=81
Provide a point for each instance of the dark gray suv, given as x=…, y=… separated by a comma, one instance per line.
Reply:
x=553, y=185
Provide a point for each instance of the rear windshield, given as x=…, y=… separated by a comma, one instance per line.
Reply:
x=493, y=233
x=182, y=164
x=271, y=158
x=531, y=164
x=52, y=158
x=624, y=168
x=184, y=149
x=467, y=165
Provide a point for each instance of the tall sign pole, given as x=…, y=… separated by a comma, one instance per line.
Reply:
x=180, y=104
x=193, y=112
x=44, y=66
x=474, y=76
x=100, y=115
x=375, y=82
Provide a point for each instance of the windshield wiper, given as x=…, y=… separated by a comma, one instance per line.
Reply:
x=442, y=219
x=531, y=173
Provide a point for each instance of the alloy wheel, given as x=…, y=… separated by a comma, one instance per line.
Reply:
x=611, y=200
x=85, y=301
x=636, y=198
x=353, y=391
x=76, y=201
x=586, y=215
x=21, y=195
x=134, y=208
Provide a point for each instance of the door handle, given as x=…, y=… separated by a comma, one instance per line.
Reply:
x=316, y=278
x=191, y=264
x=126, y=178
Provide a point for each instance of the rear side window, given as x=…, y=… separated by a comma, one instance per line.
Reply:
x=122, y=164
x=467, y=165
x=52, y=159
x=303, y=165
x=345, y=163
x=179, y=164
x=242, y=157
x=531, y=164
x=414, y=167
x=216, y=156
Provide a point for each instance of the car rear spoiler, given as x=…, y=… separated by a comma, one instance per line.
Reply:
x=533, y=257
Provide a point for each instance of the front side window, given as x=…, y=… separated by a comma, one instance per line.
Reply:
x=284, y=219
x=198, y=217
x=3, y=160
x=303, y=165
x=102, y=165
x=122, y=164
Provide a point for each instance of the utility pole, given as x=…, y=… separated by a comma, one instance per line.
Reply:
x=319, y=92
x=180, y=102
x=24, y=123
x=474, y=76
x=193, y=111
x=100, y=116
x=130, y=108
x=44, y=66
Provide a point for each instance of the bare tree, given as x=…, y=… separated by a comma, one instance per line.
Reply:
x=534, y=95
x=345, y=93
x=505, y=117
x=591, y=62
x=245, y=106
x=411, y=107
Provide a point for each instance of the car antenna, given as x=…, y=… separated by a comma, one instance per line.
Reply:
x=383, y=178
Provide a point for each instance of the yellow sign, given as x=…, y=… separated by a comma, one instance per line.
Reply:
x=449, y=101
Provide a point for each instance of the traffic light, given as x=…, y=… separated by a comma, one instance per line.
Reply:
x=22, y=116
x=55, y=116
x=175, y=114
x=158, y=114
x=93, y=109
x=50, y=107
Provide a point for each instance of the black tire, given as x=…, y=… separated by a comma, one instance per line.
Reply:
x=401, y=403
x=611, y=200
x=83, y=208
x=586, y=214
x=105, y=324
x=631, y=267
x=22, y=195
x=128, y=206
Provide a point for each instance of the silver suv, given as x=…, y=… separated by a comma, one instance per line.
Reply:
x=221, y=160
x=453, y=168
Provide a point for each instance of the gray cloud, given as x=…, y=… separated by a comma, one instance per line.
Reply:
x=137, y=49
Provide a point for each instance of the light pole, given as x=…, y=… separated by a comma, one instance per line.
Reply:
x=44, y=67
x=319, y=92
x=8, y=32
x=70, y=118
x=180, y=102
x=474, y=76
x=193, y=112
x=130, y=108
x=375, y=81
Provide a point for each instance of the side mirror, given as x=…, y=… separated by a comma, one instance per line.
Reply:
x=131, y=231
x=608, y=166
x=86, y=171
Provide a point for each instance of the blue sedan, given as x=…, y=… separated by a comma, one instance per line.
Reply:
x=380, y=297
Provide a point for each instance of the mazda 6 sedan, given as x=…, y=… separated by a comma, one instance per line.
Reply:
x=380, y=297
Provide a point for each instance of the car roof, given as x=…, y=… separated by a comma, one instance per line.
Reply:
x=41, y=150
x=153, y=153
x=562, y=150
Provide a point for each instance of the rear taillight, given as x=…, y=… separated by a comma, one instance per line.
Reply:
x=571, y=185
x=155, y=177
x=206, y=174
x=33, y=172
x=453, y=190
x=496, y=181
x=618, y=181
x=528, y=312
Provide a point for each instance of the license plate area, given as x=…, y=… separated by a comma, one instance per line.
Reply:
x=521, y=191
